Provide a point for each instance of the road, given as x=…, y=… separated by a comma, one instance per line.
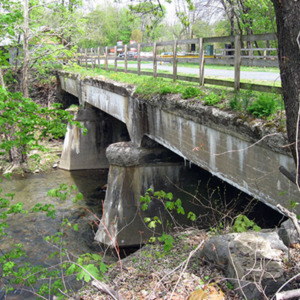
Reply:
x=215, y=73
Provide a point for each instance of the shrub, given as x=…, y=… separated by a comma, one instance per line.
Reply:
x=191, y=92
x=212, y=99
x=264, y=106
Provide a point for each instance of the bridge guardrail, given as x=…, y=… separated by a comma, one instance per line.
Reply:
x=234, y=54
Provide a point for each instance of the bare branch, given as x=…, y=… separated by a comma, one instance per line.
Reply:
x=292, y=216
x=288, y=294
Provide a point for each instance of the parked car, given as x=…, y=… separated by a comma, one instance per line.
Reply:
x=166, y=54
x=130, y=54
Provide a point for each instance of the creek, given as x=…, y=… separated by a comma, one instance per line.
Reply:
x=31, y=229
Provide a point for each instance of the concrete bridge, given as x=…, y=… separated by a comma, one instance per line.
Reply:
x=126, y=134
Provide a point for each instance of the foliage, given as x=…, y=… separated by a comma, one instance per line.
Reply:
x=15, y=271
x=241, y=100
x=242, y=224
x=87, y=266
x=212, y=99
x=148, y=15
x=171, y=205
x=264, y=106
x=191, y=92
x=248, y=16
x=166, y=198
x=23, y=123
x=168, y=241
x=63, y=192
x=50, y=27
x=105, y=26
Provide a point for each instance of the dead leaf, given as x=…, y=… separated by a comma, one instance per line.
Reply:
x=209, y=292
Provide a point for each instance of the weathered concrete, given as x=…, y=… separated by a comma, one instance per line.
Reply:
x=245, y=154
x=132, y=171
x=87, y=150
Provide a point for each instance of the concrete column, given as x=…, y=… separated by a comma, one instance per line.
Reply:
x=132, y=171
x=85, y=151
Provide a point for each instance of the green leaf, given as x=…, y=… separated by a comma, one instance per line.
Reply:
x=92, y=269
x=71, y=270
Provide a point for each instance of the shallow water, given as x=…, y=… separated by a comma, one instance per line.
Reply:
x=31, y=229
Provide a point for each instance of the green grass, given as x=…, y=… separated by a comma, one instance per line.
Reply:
x=246, y=101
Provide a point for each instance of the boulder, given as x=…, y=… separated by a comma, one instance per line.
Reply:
x=252, y=261
x=288, y=233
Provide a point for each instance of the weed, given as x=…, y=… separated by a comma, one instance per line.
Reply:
x=168, y=241
x=191, y=92
x=212, y=99
x=241, y=100
x=264, y=106
x=170, y=205
x=229, y=285
x=243, y=223
x=216, y=230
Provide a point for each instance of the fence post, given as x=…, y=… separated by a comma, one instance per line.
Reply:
x=237, y=63
x=175, y=61
x=201, y=62
x=154, y=60
x=98, y=53
x=116, y=62
x=92, y=58
x=85, y=52
x=106, y=58
x=139, y=59
x=79, y=57
x=125, y=58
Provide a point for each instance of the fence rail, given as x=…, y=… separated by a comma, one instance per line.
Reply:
x=238, y=51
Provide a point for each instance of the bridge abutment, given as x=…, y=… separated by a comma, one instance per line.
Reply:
x=87, y=150
x=132, y=171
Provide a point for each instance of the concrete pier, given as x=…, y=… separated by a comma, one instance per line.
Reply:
x=132, y=171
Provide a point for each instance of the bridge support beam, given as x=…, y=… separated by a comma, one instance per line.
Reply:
x=132, y=171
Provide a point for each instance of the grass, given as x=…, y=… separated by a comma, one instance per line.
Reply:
x=262, y=82
x=247, y=102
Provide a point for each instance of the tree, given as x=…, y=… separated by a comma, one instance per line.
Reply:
x=202, y=29
x=248, y=16
x=149, y=15
x=23, y=124
x=288, y=33
x=105, y=26
x=136, y=35
x=28, y=26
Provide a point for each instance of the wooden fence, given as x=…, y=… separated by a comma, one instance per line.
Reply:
x=233, y=54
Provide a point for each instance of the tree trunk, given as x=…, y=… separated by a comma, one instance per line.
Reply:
x=17, y=155
x=288, y=28
x=25, y=69
x=2, y=83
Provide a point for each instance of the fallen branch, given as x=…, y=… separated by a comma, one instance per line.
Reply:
x=288, y=294
x=292, y=216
